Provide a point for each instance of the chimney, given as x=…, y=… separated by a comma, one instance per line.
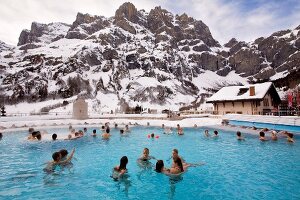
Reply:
x=252, y=90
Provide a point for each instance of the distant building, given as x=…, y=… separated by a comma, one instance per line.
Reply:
x=80, y=109
x=254, y=99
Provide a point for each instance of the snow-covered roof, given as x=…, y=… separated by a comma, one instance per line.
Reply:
x=235, y=93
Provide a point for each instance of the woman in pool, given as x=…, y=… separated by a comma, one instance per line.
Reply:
x=120, y=170
x=160, y=167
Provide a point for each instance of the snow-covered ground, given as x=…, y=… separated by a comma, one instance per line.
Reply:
x=47, y=121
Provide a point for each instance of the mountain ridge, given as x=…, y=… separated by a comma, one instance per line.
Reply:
x=154, y=58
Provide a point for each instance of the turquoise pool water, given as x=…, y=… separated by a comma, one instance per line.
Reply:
x=234, y=169
x=281, y=127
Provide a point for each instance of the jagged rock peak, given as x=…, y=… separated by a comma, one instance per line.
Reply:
x=184, y=18
x=128, y=11
x=84, y=18
x=231, y=43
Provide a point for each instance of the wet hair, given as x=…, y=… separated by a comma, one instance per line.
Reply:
x=85, y=129
x=216, y=132
x=179, y=163
x=152, y=135
x=94, y=131
x=56, y=156
x=175, y=150
x=116, y=125
x=123, y=163
x=102, y=127
x=261, y=134
x=159, y=166
x=1, y=136
x=107, y=130
x=70, y=127
x=54, y=136
x=291, y=135
x=63, y=152
x=39, y=136
x=121, y=131
x=238, y=133
x=76, y=134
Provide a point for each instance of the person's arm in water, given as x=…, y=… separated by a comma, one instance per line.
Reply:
x=69, y=158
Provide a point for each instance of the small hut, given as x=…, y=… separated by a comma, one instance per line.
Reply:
x=80, y=109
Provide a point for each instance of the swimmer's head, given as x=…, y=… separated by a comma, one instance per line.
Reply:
x=175, y=153
x=216, y=132
x=30, y=130
x=159, y=166
x=1, y=136
x=261, y=134
x=290, y=135
x=274, y=133
x=54, y=136
x=107, y=130
x=84, y=129
x=238, y=134
x=152, y=135
x=77, y=134
x=94, y=131
x=56, y=156
x=121, y=131
x=146, y=151
x=102, y=127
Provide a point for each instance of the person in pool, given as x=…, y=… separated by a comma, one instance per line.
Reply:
x=160, y=167
x=1, y=136
x=239, y=136
x=54, y=136
x=120, y=170
x=94, y=134
x=57, y=160
x=145, y=156
x=106, y=135
x=178, y=167
x=216, y=134
x=274, y=136
x=262, y=136
x=206, y=134
x=176, y=155
x=179, y=130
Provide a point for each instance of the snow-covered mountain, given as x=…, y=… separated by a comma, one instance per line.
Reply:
x=156, y=59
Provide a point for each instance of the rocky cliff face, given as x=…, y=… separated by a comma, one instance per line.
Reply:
x=137, y=57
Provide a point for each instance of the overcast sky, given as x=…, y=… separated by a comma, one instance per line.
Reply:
x=242, y=19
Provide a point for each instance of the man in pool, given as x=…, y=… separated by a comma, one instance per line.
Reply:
x=57, y=161
x=262, y=136
x=206, y=133
x=176, y=155
x=290, y=137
